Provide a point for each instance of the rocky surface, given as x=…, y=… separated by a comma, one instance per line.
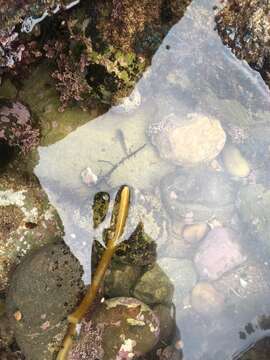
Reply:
x=188, y=141
x=244, y=26
x=127, y=328
x=17, y=128
x=219, y=252
x=44, y=289
x=27, y=221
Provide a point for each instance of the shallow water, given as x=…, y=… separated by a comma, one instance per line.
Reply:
x=191, y=72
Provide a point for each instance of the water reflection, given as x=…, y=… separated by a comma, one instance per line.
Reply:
x=220, y=277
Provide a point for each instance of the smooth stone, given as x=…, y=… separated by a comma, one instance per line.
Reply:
x=206, y=300
x=234, y=162
x=127, y=329
x=44, y=289
x=154, y=287
x=219, y=253
x=120, y=279
x=195, y=232
x=188, y=141
x=181, y=273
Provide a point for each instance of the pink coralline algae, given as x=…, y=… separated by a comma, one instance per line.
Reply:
x=16, y=128
x=89, y=347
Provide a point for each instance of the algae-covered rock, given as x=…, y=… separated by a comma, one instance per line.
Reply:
x=138, y=250
x=198, y=196
x=120, y=279
x=27, y=221
x=121, y=328
x=44, y=289
x=39, y=92
x=154, y=287
x=190, y=140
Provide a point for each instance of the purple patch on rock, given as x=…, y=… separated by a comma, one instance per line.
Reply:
x=219, y=252
x=16, y=126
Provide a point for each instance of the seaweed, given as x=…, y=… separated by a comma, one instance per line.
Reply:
x=76, y=317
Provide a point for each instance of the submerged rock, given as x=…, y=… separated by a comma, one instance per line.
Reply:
x=206, y=300
x=234, y=162
x=188, y=141
x=120, y=279
x=253, y=205
x=246, y=288
x=195, y=232
x=154, y=287
x=121, y=328
x=44, y=289
x=182, y=274
x=27, y=221
x=198, y=196
x=219, y=252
